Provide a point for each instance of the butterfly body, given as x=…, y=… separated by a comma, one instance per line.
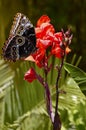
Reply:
x=22, y=40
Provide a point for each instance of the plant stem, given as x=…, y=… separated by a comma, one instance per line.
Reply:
x=44, y=83
x=47, y=94
x=57, y=122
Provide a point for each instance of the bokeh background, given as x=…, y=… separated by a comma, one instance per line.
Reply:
x=22, y=105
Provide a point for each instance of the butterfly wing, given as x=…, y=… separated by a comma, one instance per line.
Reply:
x=20, y=24
x=22, y=40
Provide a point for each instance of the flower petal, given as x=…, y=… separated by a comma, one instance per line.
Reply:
x=38, y=32
x=47, y=27
x=30, y=58
x=43, y=44
x=59, y=35
x=43, y=19
x=44, y=30
x=30, y=75
x=68, y=50
x=56, y=50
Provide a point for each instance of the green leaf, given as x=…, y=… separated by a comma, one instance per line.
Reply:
x=78, y=75
x=75, y=72
x=72, y=94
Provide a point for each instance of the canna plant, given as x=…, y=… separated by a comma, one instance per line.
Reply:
x=50, y=44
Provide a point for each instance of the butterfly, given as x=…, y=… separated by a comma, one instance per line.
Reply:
x=22, y=39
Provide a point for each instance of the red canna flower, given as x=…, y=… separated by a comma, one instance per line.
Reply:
x=44, y=30
x=48, y=39
x=30, y=75
x=45, y=36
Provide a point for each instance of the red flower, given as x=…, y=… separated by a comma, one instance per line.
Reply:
x=44, y=29
x=47, y=38
x=30, y=75
x=57, y=44
x=56, y=47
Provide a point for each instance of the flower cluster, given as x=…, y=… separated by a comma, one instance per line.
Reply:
x=56, y=43
x=46, y=38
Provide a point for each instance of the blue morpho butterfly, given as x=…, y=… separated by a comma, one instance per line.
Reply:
x=22, y=39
